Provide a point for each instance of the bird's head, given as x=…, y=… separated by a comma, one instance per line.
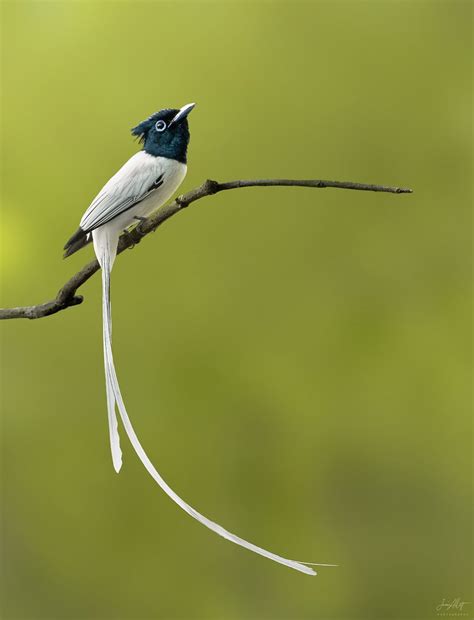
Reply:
x=166, y=133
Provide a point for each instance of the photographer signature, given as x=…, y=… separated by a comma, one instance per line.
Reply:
x=453, y=605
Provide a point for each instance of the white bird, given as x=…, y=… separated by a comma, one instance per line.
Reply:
x=145, y=182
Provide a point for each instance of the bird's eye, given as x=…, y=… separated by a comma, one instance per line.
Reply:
x=160, y=125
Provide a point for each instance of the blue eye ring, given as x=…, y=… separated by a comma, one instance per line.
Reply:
x=160, y=125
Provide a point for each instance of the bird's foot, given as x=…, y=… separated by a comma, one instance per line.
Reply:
x=180, y=201
x=128, y=238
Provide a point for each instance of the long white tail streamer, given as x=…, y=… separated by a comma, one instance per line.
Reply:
x=107, y=336
x=106, y=256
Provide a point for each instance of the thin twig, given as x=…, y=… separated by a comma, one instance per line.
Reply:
x=67, y=297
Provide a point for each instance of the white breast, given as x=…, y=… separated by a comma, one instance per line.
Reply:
x=173, y=175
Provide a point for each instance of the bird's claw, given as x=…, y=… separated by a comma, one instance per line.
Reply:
x=129, y=239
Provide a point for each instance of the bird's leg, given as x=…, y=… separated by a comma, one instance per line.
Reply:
x=128, y=234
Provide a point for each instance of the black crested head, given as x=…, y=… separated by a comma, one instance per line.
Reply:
x=166, y=133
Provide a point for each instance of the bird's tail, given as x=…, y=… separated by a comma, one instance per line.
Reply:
x=105, y=245
x=218, y=529
x=105, y=251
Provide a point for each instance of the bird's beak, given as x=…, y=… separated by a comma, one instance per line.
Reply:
x=185, y=110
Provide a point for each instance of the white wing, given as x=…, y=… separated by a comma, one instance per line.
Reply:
x=136, y=179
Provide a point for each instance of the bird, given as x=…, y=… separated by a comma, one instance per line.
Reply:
x=143, y=184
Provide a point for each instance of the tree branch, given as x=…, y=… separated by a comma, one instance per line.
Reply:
x=67, y=297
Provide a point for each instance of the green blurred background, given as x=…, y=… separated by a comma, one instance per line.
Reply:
x=295, y=361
